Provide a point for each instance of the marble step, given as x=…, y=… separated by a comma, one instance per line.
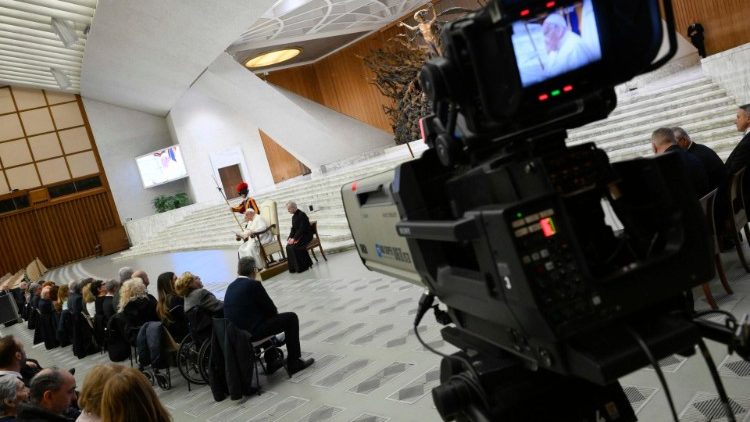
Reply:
x=226, y=228
x=721, y=105
x=646, y=94
x=642, y=135
x=625, y=107
x=659, y=104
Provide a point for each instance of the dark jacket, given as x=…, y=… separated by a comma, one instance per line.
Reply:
x=138, y=312
x=30, y=413
x=47, y=324
x=301, y=230
x=231, y=362
x=247, y=304
x=118, y=347
x=694, y=169
x=178, y=324
x=740, y=156
x=204, y=300
x=716, y=171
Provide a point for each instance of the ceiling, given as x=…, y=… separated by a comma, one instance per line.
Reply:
x=144, y=54
x=29, y=47
x=318, y=27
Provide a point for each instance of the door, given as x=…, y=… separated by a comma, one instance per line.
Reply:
x=230, y=176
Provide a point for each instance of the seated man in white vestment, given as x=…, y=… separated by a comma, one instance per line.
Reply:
x=255, y=231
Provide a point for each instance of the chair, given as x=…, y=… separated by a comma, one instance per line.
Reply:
x=708, y=202
x=269, y=213
x=738, y=219
x=315, y=242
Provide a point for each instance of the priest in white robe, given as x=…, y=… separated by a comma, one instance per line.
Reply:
x=254, y=235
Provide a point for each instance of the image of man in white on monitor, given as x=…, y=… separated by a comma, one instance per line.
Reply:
x=565, y=49
x=549, y=45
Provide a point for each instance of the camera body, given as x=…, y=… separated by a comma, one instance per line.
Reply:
x=503, y=223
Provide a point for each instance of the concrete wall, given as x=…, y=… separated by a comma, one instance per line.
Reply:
x=122, y=134
x=731, y=70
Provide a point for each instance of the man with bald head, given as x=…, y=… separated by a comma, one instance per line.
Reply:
x=663, y=141
x=52, y=391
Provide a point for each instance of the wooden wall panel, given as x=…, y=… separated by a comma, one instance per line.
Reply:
x=283, y=164
x=59, y=231
x=342, y=82
x=300, y=80
x=724, y=21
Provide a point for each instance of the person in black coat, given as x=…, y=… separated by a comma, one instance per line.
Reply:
x=300, y=235
x=248, y=306
x=695, y=33
x=663, y=141
x=83, y=332
x=716, y=170
x=47, y=324
x=35, y=290
x=136, y=306
x=19, y=295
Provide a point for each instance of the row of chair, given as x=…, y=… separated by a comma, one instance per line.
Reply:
x=738, y=221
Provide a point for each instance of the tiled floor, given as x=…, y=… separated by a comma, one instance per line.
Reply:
x=369, y=365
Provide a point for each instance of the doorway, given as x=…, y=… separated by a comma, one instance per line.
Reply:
x=230, y=177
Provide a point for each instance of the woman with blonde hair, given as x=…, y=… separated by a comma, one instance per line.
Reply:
x=90, y=398
x=128, y=397
x=191, y=288
x=136, y=306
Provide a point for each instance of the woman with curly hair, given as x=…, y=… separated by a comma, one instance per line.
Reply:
x=200, y=305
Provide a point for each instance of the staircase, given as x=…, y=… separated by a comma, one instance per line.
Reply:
x=212, y=227
x=699, y=106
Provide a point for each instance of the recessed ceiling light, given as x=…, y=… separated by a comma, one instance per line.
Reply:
x=273, y=57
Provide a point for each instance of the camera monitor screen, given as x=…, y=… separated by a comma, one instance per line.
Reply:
x=162, y=166
x=553, y=43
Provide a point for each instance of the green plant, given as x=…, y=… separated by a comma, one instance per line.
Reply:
x=164, y=203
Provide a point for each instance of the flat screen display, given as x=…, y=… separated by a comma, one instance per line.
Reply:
x=556, y=42
x=162, y=166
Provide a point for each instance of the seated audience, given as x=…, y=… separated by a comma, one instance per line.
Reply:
x=12, y=392
x=13, y=360
x=52, y=391
x=144, y=277
x=171, y=307
x=740, y=156
x=19, y=295
x=123, y=275
x=200, y=305
x=128, y=396
x=256, y=233
x=61, y=303
x=47, y=324
x=663, y=141
x=190, y=287
x=296, y=245
x=90, y=399
x=35, y=289
x=248, y=306
x=105, y=302
x=136, y=307
x=90, y=291
x=83, y=332
x=716, y=171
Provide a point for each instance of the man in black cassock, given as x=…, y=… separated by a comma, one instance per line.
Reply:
x=695, y=32
x=299, y=237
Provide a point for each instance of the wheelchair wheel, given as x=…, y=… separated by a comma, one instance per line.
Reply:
x=188, y=362
x=203, y=360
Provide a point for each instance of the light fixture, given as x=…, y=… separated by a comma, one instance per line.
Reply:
x=61, y=78
x=65, y=31
x=273, y=57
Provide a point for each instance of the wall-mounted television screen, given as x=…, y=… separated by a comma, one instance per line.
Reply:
x=161, y=166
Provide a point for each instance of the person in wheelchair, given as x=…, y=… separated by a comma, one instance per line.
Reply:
x=248, y=306
x=200, y=305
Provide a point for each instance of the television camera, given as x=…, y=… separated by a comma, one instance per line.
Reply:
x=503, y=222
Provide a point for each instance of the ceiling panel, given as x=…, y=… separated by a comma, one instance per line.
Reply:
x=30, y=47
